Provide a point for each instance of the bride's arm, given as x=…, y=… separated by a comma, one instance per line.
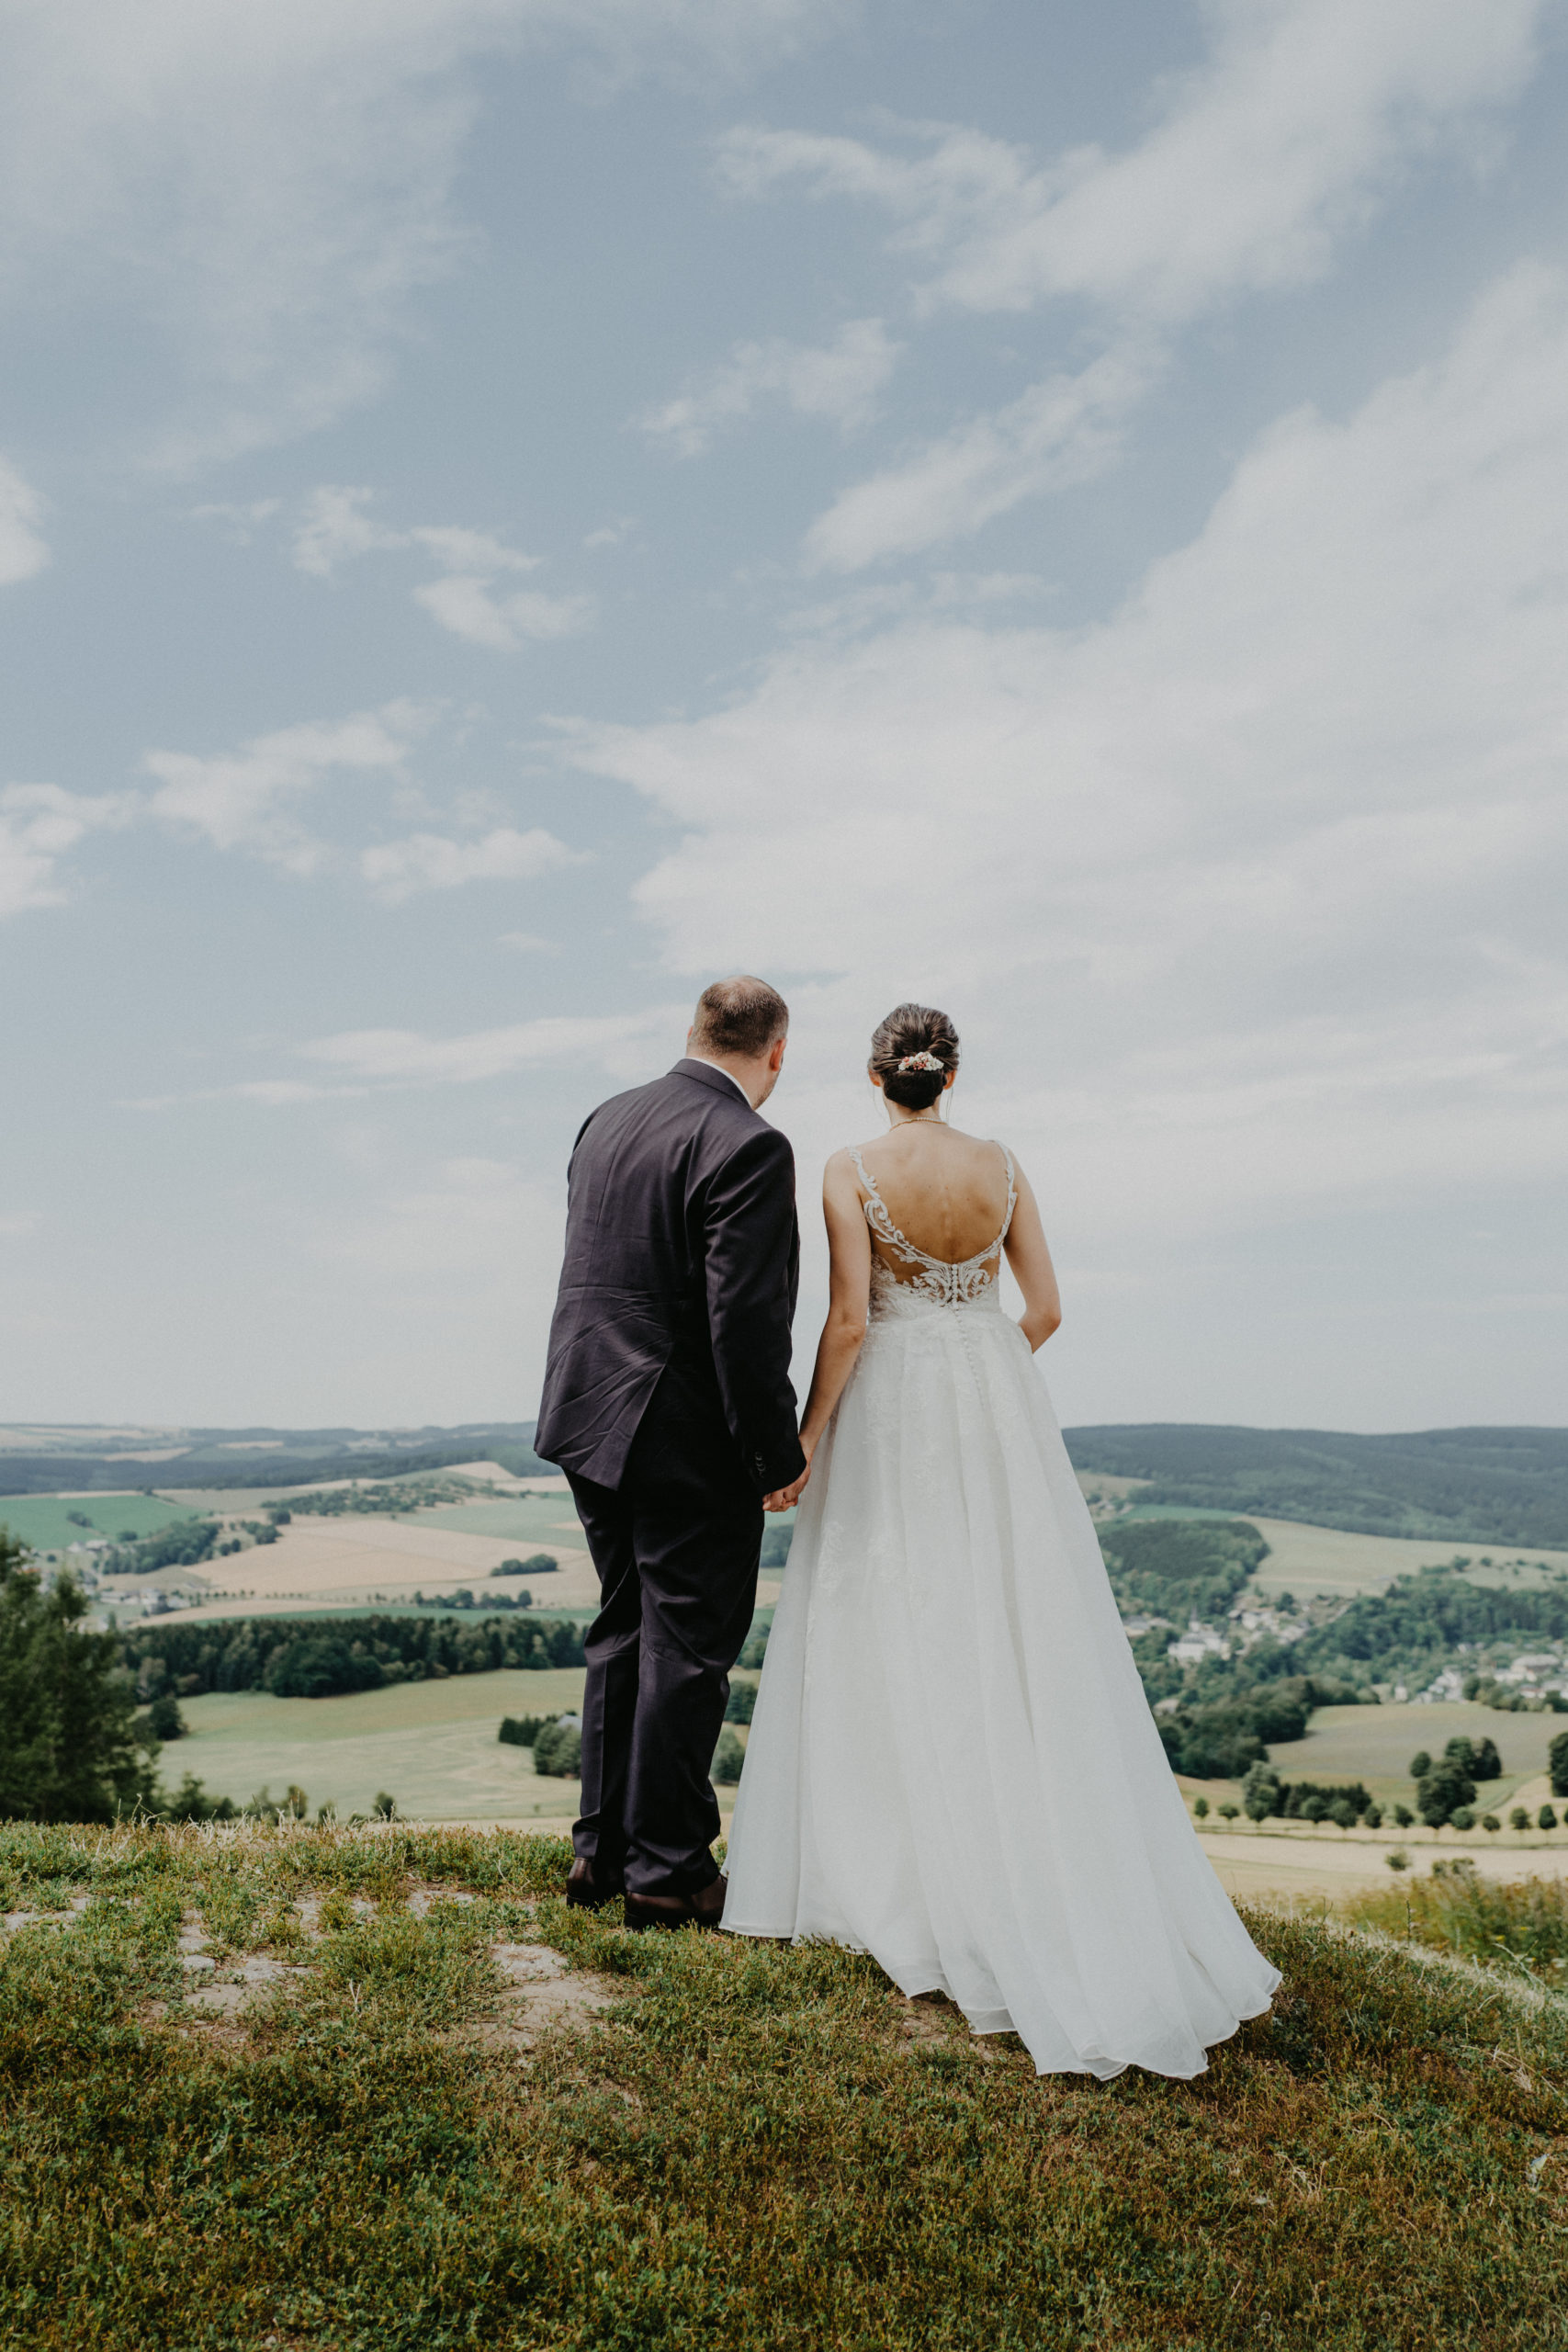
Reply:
x=849, y=1296
x=1031, y=1261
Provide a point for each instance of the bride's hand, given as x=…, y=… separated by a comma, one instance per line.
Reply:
x=785, y=1498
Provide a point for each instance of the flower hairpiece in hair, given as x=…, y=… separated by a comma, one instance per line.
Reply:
x=918, y=1061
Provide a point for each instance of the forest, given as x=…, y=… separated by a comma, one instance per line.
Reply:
x=1478, y=1486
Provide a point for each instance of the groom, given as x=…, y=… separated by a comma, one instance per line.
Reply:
x=666, y=1401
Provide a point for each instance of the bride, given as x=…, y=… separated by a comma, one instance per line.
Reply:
x=952, y=1765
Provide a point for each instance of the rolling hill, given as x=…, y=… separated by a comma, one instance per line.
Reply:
x=1475, y=1486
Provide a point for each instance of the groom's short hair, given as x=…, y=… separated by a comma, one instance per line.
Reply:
x=742, y=1015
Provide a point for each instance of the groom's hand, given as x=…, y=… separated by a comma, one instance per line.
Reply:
x=785, y=1498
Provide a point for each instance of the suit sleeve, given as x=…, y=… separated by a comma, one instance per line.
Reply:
x=751, y=1244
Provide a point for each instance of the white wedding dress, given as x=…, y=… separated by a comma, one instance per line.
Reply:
x=952, y=1765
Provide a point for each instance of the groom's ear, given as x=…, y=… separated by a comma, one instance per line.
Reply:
x=775, y=1057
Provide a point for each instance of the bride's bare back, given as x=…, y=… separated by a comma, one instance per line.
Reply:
x=945, y=1191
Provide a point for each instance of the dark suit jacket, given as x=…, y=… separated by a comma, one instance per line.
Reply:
x=683, y=1255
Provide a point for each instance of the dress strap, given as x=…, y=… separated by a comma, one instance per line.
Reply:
x=1013, y=1194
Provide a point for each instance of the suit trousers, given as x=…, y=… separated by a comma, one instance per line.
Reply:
x=676, y=1546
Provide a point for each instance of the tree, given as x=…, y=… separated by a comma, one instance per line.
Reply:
x=1463, y=1817
x=1557, y=1764
x=1343, y=1813
x=296, y=1802
x=1420, y=1765
x=1489, y=1821
x=727, y=1759
x=1404, y=1817
x=1442, y=1791
x=1488, y=1764
x=69, y=1746
x=558, y=1751
x=743, y=1702
x=1546, y=1818
x=1519, y=1818
x=1229, y=1812
x=1200, y=1808
x=1373, y=1817
x=163, y=1717
x=382, y=1806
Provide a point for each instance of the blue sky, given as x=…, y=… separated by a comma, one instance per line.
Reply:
x=507, y=510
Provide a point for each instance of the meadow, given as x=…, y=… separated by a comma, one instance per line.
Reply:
x=44, y=1521
x=384, y=2093
x=433, y=1745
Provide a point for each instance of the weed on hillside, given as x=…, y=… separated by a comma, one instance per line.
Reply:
x=341, y=2090
x=1457, y=1910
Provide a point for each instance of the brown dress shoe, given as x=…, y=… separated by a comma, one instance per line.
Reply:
x=586, y=1892
x=703, y=1909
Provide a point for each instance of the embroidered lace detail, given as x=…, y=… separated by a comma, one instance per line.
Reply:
x=937, y=1282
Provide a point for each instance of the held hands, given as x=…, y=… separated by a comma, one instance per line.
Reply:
x=785, y=1498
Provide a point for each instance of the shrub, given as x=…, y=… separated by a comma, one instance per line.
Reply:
x=729, y=1757
x=190, y=1801
x=1420, y=1765
x=1229, y=1812
x=521, y=1730
x=1463, y=1818
x=1489, y=1821
x=1546, y=1818
x=1398, y=1859
x=1557, y=1764
x=1200, y=1808
x=382, y=1806
x=1404, y=1817
x=1519, y=1818
x=1343, y=1813
x=1373, y=1817
x=558, y=1751
x=537, y=1564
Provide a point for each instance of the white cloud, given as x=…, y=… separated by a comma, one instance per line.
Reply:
x=839, y=383
x=240, y=522
x=473, y=1216
x=19, y=1223
x=337, y=528
x=616, y=1042
x=269, y=187
x=23, y=549
x=1300, y=118
x=39, y=824
x=396, y=870
x=1304, y=114
x=247, y=799
x=1060, y=432
x=1245, y=899
x=468, y=606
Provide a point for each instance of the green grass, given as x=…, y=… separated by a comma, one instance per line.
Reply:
x=433, y=1744
x=1524, y=1922
x=1376, y=1744
x=754, y=2147
x=40, y=1520
x=541, y=1521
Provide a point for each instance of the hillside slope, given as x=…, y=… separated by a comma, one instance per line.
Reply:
x=1476, y=1486
x=300, y=2087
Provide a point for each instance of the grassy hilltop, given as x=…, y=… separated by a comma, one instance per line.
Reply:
x=346, y=2091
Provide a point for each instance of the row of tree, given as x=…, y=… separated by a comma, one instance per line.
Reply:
x=315, y=1657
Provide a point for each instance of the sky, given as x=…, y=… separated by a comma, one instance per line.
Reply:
x=509, y=510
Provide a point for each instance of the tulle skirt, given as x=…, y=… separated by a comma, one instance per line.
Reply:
x=953, y=1764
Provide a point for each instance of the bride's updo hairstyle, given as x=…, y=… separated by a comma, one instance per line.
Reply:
x=911, y=1030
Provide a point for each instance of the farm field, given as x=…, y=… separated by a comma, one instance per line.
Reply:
x=1307, y=1560
x=42, y=1520
x=540, y=1521
x=433, y=1745
x=1376, y=1744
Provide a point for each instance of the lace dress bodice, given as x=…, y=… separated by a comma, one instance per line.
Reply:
x=936, y=1282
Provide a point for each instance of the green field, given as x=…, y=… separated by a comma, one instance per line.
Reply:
x=431, y=1744
x=40, y=1520
x=539, y=1520
x=1376, y=1744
